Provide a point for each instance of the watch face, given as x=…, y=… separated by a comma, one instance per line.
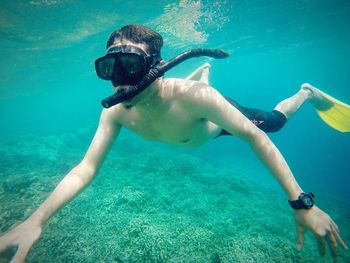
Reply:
x=307, y=200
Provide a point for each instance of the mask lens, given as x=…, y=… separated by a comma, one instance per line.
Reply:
x=104, y=67
x=132, y=63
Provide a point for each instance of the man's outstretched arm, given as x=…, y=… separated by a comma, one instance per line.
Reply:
x=209, y=104
x=25, y=234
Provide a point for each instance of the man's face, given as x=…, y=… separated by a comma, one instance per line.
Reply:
x=123, y=42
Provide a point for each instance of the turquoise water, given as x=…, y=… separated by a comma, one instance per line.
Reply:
x=156, y=203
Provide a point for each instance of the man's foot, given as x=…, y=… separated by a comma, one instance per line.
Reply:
x=332, y=111
x=201, y=74
x=205, y=73
x=316, y=97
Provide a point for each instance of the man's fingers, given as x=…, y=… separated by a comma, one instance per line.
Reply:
x=321, y=245
x=339, y=239
x=332, y=243
x=333, y=224
x=21, y=254
x=300, y=236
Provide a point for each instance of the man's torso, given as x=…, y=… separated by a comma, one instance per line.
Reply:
x=168, y=119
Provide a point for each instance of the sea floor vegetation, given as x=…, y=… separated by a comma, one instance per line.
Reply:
x=150, y=204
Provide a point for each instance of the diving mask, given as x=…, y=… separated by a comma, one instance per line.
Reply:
x=125, y=65
x=144, y=70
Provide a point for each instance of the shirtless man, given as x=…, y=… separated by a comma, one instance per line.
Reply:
x=185, y=112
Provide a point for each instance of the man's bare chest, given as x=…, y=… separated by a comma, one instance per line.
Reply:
x=171, y=125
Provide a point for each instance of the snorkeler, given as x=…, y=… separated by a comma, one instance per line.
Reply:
x=185, y=112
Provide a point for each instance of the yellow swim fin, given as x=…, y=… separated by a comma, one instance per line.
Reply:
x=332, y=111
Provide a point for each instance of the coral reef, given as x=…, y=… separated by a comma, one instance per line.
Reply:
x=168, y=206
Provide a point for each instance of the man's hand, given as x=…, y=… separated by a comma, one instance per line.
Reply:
x=23, y=237
x=322, y=226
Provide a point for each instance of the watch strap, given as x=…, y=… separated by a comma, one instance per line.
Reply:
x=296, y=204
x=299, y=204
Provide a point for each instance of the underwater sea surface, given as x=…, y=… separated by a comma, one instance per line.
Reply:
x=161, y=203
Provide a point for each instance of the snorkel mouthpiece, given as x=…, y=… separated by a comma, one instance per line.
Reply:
x=157, y=71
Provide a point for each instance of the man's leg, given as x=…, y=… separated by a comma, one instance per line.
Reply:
x=268, y=121
x=290, y=105
x=273, y=121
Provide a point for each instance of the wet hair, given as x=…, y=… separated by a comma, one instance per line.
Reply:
x=138, y=34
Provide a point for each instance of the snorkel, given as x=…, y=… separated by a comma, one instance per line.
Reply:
x=157, y=71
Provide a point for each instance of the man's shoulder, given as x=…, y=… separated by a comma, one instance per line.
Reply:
x=112, y=115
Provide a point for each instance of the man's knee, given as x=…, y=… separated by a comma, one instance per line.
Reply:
x=274, y=122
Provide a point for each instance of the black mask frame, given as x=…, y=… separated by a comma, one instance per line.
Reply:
x=125, y=64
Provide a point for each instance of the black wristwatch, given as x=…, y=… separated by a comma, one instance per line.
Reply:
x=304, y=201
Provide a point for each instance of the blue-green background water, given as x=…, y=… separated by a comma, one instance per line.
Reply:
x=50, y=104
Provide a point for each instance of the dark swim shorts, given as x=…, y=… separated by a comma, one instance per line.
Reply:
x=268, y=121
